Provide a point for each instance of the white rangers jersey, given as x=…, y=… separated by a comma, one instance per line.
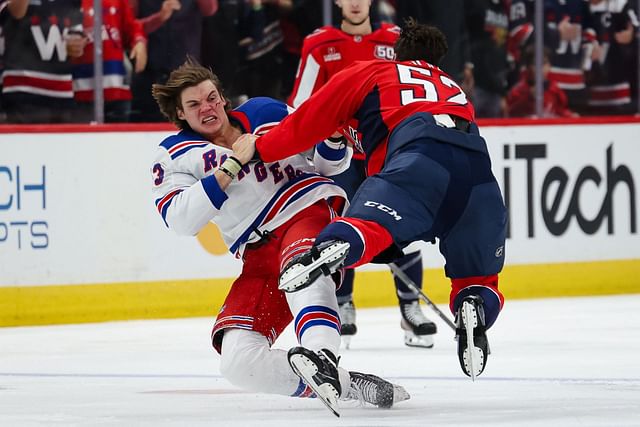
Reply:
x=262, y=197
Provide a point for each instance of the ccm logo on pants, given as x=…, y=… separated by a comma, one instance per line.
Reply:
x=383, y=208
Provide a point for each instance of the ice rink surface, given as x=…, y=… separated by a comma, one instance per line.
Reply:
x=555, y=362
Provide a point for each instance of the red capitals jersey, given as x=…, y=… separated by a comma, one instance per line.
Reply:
x=120, y=32
x=368, y=99
x=329, y=50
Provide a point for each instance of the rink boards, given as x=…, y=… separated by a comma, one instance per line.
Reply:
x=80, y=239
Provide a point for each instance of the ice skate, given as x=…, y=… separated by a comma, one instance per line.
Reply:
x=320, y=372
x=321, y=260
x=348, y=326
x=473, y=347
x=371, y=389
x=418, y=329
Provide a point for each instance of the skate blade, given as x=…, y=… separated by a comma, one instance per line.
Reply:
x=421, y=341
x=298, y=275
x=472, y=356
x=400, y=394
x=306, y=369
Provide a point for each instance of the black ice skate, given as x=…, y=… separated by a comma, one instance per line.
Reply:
x=473, y=347
x=371, y=389
x=321, y=260
x=418, y=329
x=320, y=372
x=348, y=326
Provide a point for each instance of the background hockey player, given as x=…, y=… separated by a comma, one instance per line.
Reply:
x=267, y=213
x=429, y=176
x=324, y=53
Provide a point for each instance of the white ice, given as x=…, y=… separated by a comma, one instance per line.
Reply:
x=554, y=362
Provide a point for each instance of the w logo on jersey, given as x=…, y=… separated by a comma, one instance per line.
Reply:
x=53, y=42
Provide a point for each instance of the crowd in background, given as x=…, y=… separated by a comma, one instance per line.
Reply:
x=590, y=55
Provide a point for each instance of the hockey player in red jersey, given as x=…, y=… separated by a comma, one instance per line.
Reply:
x=429, y=177
x=267, y=213
x=325, y=52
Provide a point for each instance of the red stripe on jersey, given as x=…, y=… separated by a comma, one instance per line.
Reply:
x=184, y=144
x=569, y=76
x=610, y=93
x=36, y=82
x=284, y=197
x=166, y=199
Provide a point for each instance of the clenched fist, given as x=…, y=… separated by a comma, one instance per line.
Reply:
x=244, y=147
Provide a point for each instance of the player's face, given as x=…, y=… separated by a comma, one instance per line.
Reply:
x=355, y=12
x=203, y=109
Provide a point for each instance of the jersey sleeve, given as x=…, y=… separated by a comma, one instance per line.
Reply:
x=310, y=76
x=332, y=158
x=317, y=118
x=185, y=203
x=132, y=28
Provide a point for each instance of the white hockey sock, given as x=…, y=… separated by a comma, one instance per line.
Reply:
x=315, y=315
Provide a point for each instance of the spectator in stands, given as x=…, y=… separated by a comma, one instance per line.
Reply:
x=571, y=39
x=448, y=16
x=260, y=44
x=220, y=46
x=487, y=25
x=521, y=100
x=608, y=81
x=175, y=32
x=37, y=82
x=302, y=20
x=3, y=16
x=120, y=31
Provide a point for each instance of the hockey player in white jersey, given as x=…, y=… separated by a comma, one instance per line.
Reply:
x=267, y=213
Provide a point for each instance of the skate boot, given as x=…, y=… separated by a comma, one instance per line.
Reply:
x=321, y=260
x=371, y=389
x=348, y=326
x=320, y=372
x=473, y=347
x=418, y=329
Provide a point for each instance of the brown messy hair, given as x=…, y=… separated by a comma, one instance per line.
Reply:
x=167, y=95
x=419, y=41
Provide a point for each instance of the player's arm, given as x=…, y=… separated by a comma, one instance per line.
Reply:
x=310, y=75
x=317, y=118
x=18, y=8
x=185, y=203
x=332, y=156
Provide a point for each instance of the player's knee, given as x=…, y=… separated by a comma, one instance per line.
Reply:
x=240, y=350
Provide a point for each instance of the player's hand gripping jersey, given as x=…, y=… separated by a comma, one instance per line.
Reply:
x=329, y=50
x=262, y=197
x=367, y=100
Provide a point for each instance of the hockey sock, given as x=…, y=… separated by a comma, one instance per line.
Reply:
x=345, y=292
x=484, y=286
x=366, y=238
x=411, y=264
x=315, y=313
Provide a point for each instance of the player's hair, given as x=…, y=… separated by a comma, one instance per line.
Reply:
x=167, y=95
x=419, y=41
